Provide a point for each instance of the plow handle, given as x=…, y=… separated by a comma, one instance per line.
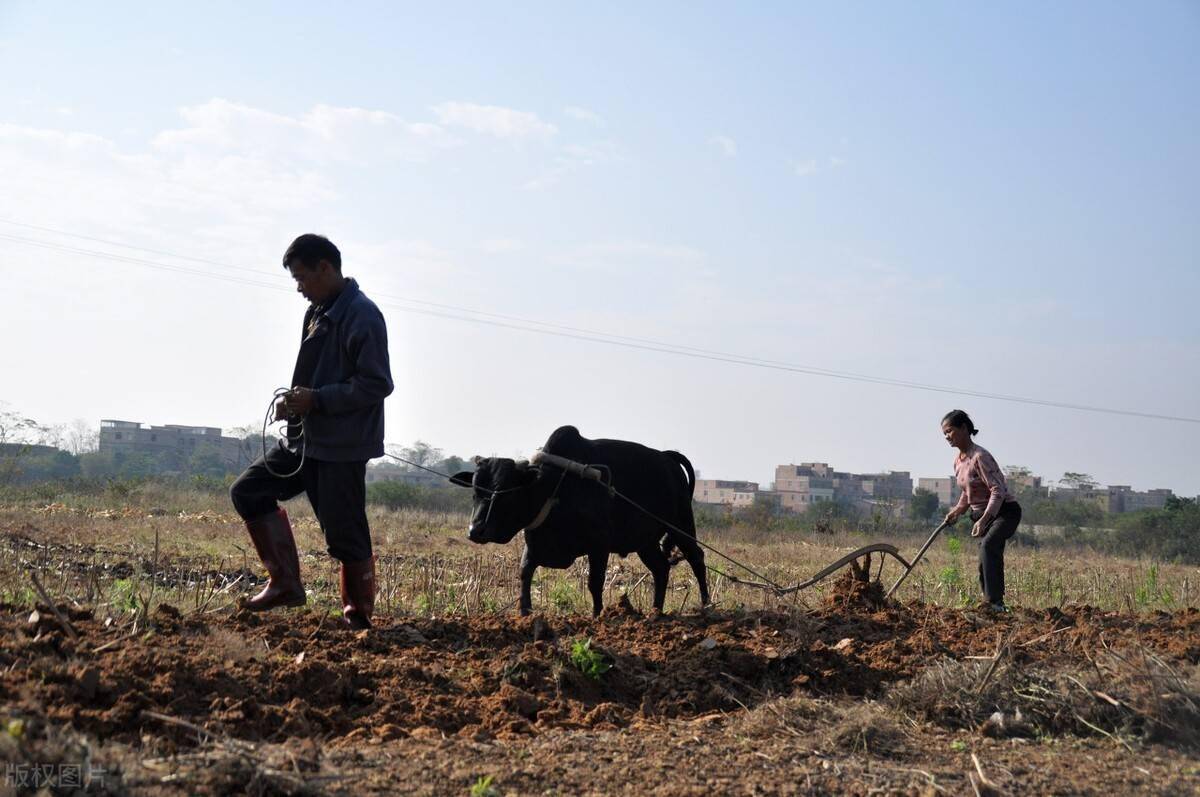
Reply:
x=916, y=559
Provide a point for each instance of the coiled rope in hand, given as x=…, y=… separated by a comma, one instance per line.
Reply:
x=285, y=433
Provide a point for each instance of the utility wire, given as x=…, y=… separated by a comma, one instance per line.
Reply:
x=454, y=313
x=437, y=305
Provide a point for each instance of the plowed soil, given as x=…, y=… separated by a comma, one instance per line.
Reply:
x=374, y=707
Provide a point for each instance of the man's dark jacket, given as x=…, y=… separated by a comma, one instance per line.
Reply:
x=344, y=358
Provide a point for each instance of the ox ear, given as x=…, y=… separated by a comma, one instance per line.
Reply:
x=462, y=478
x=476, y=459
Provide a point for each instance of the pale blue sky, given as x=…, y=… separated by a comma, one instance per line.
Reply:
x=998, y=197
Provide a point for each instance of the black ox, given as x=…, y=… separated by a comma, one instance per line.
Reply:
x=566, y=515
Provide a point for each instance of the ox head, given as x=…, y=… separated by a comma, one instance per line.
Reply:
x=503, y=497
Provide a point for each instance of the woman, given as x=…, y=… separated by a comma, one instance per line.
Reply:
x=993, y=508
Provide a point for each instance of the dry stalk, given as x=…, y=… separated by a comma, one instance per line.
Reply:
x=987, y=674
x=983, y=787
x=62, y=620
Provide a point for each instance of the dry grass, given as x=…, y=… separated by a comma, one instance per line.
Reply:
x=865, y=729
x=99, y=549
x=1125, y=695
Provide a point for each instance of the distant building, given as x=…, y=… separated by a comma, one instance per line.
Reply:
x=894, y=485
x=1025, y=481
x=801, y=486
x=388, y=472
x=946, y=489
x=768, y=498
x=1115, y=498
x=798, y=487
x=721, y=491
x=1134, y=501
x=745, y=498
x=13, y=450
x=132, y=437
x=801, y=500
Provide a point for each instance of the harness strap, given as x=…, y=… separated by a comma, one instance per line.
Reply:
x=545, y=513
x=581, y=470
x=548, y=506
x=569, y=465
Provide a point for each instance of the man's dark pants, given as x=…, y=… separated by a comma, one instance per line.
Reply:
x=336, y=490
x=991, y=550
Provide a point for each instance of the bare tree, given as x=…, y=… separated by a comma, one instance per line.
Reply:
x=17, y=434
x=81, y=437
x=1017, y=473
x=421, y=453
x=1078, y=481
x=250, y=443
x=16, y=428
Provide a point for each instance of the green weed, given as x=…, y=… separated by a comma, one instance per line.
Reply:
x=124, y=595
x=18, y=596
x=587, y=660
x=563, y=596
x=1149, y=591
x=483, y=787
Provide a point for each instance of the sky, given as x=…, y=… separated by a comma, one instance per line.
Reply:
x=998, y=198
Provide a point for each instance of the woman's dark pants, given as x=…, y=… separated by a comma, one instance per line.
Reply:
x=991, y=550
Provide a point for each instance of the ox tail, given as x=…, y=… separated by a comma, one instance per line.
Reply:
x=670, y=542
x=687, y=465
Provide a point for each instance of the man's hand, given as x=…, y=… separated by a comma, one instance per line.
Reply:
x=981, y=526
x=296, y=403
x=952, y=517
x=300, y=401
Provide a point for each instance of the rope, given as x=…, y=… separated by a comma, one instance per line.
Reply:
x=297, y=437
x=446, y=476
x=693, y=538
x=763, y=583
x=451, y=479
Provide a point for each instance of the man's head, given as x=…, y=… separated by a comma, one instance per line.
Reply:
x=316, y=265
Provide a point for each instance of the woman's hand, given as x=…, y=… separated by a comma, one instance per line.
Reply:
x=980, y=527
x=952, y=517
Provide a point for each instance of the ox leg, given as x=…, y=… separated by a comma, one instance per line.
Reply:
x=653, y=557
x=597, y=567
x=527, y=568
x=695, y=558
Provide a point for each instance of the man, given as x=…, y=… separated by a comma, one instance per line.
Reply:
x=341, y=378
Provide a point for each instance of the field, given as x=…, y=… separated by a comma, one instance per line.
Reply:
x=145, y=677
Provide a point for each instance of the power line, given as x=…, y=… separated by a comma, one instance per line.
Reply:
x=438, y=305
x=451, y=312
x=108, y=242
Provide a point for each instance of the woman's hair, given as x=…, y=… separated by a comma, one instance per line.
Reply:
x=959, y=419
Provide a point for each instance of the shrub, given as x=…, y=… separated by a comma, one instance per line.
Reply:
x=400, y=495
x=393, y=495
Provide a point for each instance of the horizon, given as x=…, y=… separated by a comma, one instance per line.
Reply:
x=1048, y=481
x=574, y=216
